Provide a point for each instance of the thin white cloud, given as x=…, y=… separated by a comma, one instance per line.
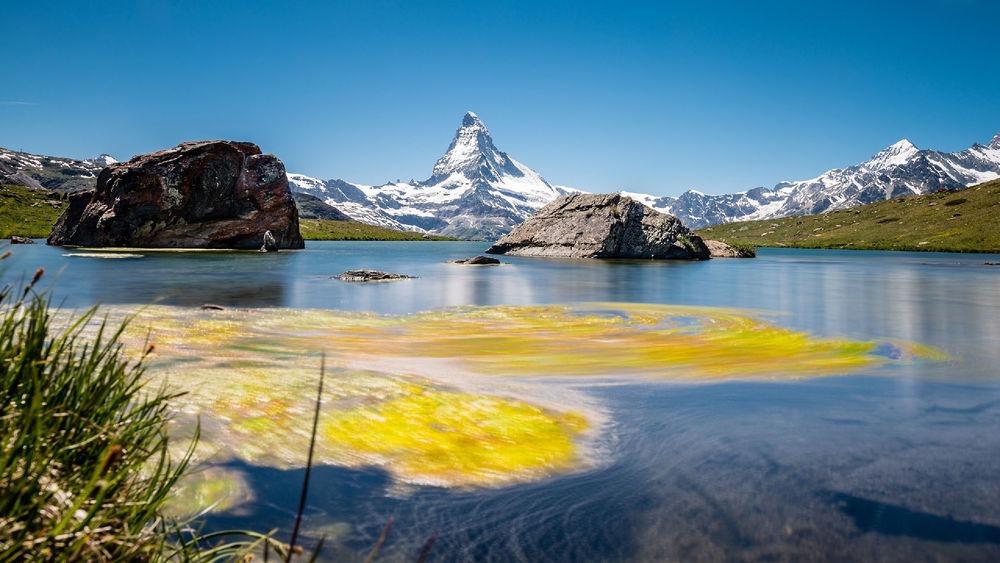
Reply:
x=16, y=103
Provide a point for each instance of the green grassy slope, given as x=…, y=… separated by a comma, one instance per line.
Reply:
x=962, y=221
x=27, y=212
x=323, y=229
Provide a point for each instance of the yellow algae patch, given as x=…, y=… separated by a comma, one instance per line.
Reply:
x=419, y=396
x=610, y=339
x=441, y=437
x=605, y=339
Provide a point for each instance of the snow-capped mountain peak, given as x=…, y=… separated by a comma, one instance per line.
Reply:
x=995, y=143
x=102, y=160
x=472, y=120
x=896, y=154
x=473, y=154
x=475, y=190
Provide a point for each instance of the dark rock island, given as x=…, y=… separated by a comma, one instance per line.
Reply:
x=477, y=261
x=370, y=275
x=601, y=226
x=207, y=194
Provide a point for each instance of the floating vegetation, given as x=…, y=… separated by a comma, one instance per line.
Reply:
x=105, y=255
x=449, y=438
x=429, y=397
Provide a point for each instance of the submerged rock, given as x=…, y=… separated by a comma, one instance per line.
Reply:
x=601, y=226
x=207, y=194
x=370, y=275
x=476, y=260
x=720, y=249
x=20, y=240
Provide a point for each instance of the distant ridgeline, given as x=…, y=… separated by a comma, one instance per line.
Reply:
x=948, y=221
x=476, y=191
x=899, y=170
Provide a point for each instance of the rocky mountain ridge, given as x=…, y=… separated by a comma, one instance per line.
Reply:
x=898, y=170
x=50, y=172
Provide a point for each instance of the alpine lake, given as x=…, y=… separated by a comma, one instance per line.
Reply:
x=806, y=404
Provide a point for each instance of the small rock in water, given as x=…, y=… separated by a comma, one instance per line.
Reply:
x=270, y=245
x=720, y=249
x=21, y=240
x=212, y=307
x=477, y=260
x=370, y=275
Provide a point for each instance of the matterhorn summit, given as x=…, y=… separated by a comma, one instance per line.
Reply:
x=475, y=191
x=471, y=149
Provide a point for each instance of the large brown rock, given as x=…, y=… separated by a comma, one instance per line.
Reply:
x=601, y=226
x=207, y=194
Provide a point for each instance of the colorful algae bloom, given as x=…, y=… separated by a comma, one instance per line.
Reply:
x=466, y=396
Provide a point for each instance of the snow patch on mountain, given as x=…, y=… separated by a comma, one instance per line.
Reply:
x=102, y=160
x=48, y=172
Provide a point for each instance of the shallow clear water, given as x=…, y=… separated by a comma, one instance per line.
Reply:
x=900, y=463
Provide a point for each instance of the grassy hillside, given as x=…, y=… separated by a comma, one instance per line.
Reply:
x=27, y=212
x=961, y=221
x=323, y=229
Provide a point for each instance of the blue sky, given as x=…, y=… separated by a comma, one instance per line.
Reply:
x=651, y=97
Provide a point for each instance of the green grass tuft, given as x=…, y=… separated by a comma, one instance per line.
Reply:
x=84, y=461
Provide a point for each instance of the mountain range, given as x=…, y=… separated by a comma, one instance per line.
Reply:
x=898, y=170
x=477, y=191
x=50, y=172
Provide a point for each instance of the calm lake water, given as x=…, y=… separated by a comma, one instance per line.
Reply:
x=899, y=463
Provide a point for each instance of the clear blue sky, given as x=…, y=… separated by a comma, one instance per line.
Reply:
x=652, y=97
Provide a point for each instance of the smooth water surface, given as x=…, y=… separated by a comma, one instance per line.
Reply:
x=898, y=463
